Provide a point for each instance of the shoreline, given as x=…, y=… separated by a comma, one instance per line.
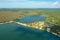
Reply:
x=55, y=34
x=7, y=22
x=27, y=25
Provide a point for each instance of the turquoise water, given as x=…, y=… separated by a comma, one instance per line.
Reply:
x=31, y=19
x=13, y=31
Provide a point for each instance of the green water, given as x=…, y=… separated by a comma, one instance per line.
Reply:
x=13, y=31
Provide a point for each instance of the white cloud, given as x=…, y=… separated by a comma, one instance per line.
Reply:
x=55, y=5
x=30, y=4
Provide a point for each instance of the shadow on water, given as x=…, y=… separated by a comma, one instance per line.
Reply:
x=55, y=29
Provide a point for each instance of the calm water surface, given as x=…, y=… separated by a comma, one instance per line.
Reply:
x=13, y=31
x=31, y=19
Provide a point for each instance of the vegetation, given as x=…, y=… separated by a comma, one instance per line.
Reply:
x=52, y=15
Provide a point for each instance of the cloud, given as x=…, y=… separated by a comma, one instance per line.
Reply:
x=24, y=4
x=55, y=4
x=29, y=4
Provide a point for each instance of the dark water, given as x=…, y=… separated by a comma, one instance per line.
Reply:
x=31, y=19
x=13, y=31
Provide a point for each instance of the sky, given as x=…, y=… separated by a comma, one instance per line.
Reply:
x=29, y=3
